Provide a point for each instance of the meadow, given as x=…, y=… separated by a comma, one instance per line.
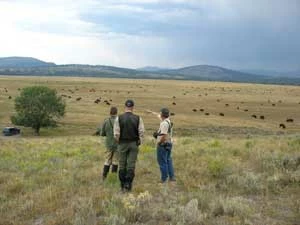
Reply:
x=231, y=168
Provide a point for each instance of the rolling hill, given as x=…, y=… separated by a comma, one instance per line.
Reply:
x=27, y=66
x=22, y=62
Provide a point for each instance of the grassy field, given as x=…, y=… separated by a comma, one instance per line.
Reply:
x=231, y=169
x=275, y=103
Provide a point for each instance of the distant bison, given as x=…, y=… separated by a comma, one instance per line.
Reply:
x=78, y=99
x=226, y=105
x=207, y=114
x=172, y=114
x=201, y=110
x=262, y=117
x=221, y=114
x=97, y=101
x=246, y=110
x=9, y=97
x=174, y=103
x=174, y=97
x=282, y=126
x=273, y=104
x=195, y=110
x=254, y=116
x=290, y=120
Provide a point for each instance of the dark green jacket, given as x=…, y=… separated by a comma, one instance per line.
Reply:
x=107, y=130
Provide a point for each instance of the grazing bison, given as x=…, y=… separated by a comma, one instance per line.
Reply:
x=92, y=90
x=78, y=99
x=174, y=97
x=238, y=108
x=254, y=116
x=262, y=117
x=69, y=96
x=246, y=110
x=206, y=114
x=195, y=110
x=97, y=101
x=9, y=97
x=289, y=120
x=174, y=103
x=221, y=114
x=226, y=105
x=273, y=104
x=172, y=114
x=201, y=110
x=282, y=126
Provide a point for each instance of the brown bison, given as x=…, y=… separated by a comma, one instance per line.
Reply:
x=282, y=126
x=221, y=114
x=289, y=120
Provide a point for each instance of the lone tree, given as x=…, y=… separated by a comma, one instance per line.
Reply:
x=38, y=107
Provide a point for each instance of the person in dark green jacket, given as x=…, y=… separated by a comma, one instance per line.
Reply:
x=111, y=153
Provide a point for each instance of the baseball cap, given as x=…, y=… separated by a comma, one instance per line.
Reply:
x=165, y=112
x=129, y=103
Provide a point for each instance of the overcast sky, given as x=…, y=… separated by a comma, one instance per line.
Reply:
x=239, y=34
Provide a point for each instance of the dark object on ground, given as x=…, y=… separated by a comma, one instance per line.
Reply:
x=9, y=97
x=201, y=110
x=10, y=131
x=207, y=114
x=254, y=116
x=78, y=99
x=174, y=103
x=282, y=126
x=262, y=117
x=172, y=114
x=221, y=114
x=290, y=120
x=194, y=110
x=246, y=110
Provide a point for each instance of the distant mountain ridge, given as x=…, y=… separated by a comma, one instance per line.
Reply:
x=19, y=62
x=27, y=66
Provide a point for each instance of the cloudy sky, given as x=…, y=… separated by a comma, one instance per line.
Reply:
x=239, y=34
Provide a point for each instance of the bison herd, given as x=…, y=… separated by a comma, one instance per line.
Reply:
x=261, y=117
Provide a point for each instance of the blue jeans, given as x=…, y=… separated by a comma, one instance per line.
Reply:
x=164, y=159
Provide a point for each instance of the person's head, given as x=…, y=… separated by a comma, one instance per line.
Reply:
x=129, y=104
x=113, y=111
x=164, y=113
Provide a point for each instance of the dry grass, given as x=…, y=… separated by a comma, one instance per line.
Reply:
x=154, y=94
x=219, y=181
x=231, y=169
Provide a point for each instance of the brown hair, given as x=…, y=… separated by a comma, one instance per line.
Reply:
x=113, y=111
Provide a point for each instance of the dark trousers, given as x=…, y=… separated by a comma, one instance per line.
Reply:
x=128, y=155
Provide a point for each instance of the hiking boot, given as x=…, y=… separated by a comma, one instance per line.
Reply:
x=105, y=171
x=114, y=168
